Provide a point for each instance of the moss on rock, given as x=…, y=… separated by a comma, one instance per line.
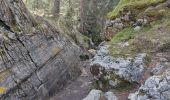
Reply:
x=131, y=4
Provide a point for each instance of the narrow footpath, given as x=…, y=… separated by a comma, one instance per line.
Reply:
x=77, y=89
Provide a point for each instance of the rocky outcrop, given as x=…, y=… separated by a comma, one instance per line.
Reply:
x=99, y=95
x=130, y=69
x=35, y=59
x=110, y=96
x=92, y=17
x=126, y=20
x=155, y=88
x=136, y=19
x=109, y=70
x=95, y=95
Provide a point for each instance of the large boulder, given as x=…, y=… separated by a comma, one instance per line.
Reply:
x=110, y=96
x=130, y=69
x=155, y=88
x=35, y=59
x=95, y=95
x=99, y=95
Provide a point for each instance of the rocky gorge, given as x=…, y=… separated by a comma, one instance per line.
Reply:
x=128, y=68
x=39, y=61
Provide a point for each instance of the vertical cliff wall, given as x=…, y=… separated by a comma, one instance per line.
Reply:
x=35, y=59
x=93, y=17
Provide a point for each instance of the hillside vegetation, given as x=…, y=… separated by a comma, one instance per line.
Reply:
x=131, y=4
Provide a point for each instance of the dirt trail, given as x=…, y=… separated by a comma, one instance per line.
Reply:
x=78, y=89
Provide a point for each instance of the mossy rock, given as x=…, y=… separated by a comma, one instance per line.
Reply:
x=156, y=13
x=131, y=4
x=124, y=86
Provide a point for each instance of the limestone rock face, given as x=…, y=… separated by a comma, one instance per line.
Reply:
x=35, y=59
x=155, y=88
x=110, y=96
x=99, y=95
x=128, y=69
x=95, y=95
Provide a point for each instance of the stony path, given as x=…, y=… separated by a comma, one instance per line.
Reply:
x=78, y=89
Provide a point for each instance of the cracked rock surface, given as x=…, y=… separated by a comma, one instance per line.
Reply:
x=128, y=69
x=35, y=59
x=156, y=87
x=99, y=95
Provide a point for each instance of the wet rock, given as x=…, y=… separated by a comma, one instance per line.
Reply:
x=155, y=88
x=128, y=69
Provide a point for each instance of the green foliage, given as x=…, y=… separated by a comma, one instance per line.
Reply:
x=153, y=38
x=124, y=35
x=131, y=4
x=69, y=17
x=124, y=86
x=94, y=85
x=96, y=38
x=147, y=60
